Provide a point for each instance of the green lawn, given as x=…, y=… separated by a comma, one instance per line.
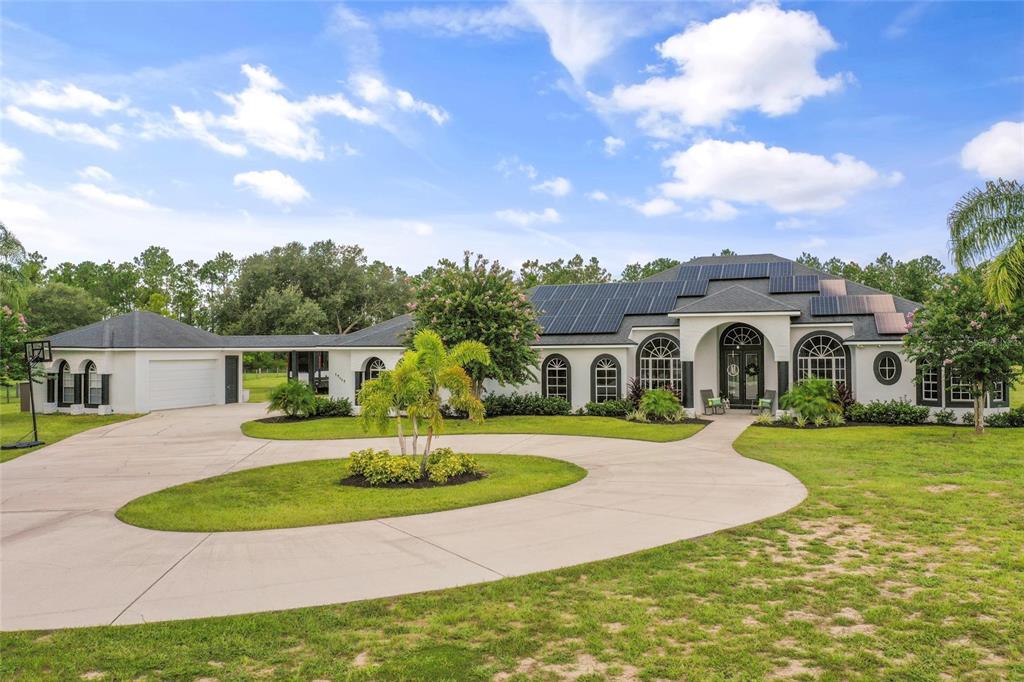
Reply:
x=904, y=563
x=308, y=493
x=260, y=385
x=606, y=427
x=14, y=425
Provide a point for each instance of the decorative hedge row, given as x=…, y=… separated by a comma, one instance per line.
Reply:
x=887, y=412
x=610, y=408
x=1013, y=418
x=527, y=404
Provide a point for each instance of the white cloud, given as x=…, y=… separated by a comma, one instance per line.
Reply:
x=525, y=218
x=716, y=211
x=95, y=173
x=495, y=22
x=10, y=159
x=997, y=152
x=418, y=227
x=349, y=150
x=376, y=91
x=112, y=199
x=195, y=124
x=656, y=207
x=907, y=17
x=46, y=95
x=794, y=223
x=751, y=173
x=273, y=185
x=760, y=58
x=556, y=187
x=597, y=195
x=613, y=145
x=267, y=119
x=511, y=165
x=61, y=130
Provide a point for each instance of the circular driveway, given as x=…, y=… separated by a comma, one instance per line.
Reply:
x=66, y=561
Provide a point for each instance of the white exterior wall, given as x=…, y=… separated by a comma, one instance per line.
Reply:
x=580, y=359
x=129, y=375
x=343, y=364
x=867, y=388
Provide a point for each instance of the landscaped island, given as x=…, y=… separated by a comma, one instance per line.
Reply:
x=604, y=427
x=313, y=493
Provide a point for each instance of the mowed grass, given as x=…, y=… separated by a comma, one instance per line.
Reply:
x=16, y=425
x=352, y=427
x=309, y=493
x=260, y=385
x=905, y=562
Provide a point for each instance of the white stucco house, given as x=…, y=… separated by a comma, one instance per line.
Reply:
x=735, y=325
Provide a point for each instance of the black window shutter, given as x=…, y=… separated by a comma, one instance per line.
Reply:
x=359, y=385
x=51, y=388
x=78, y=390
x=105, y=390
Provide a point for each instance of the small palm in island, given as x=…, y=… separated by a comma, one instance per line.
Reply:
x=414, y=388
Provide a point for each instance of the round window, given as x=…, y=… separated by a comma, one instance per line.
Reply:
x=888, y=368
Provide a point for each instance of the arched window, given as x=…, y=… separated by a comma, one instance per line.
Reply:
x=658, y=363
x=821, y=356
x=741, y=335
x=888, y=368
x=374, y=366
x=556, y=375
x=604, y=379
x=93, y=385
x=66, y=384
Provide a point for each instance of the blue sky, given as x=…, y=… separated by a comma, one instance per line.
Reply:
x=521, y=130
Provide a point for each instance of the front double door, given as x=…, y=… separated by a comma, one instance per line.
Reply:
x=743, y=376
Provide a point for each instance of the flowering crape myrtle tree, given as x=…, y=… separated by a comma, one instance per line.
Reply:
x=13, y=335
x=480, y=301
x=961, y=331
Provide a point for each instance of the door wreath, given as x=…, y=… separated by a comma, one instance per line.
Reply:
x=752, y=369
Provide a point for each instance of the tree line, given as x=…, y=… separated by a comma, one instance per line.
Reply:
x=324, y=288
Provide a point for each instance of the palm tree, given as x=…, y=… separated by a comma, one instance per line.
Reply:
x=444, y=371
x=391, y=393
x=988, y=225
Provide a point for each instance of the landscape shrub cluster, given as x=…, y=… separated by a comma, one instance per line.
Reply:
x=525, y=404
x=888, y=412
x=380, y=467
x=324, y=406
x=1013, y=418
x=610, y=408
x=660, y=404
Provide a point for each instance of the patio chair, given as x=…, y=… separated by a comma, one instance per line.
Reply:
x=765, y=403
x=712, y=405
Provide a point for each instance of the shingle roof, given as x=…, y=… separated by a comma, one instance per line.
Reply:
x=735, y=299
x=138, y=329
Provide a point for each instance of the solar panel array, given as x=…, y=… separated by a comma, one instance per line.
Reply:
x=793, y=284
x=736, y=271
x=852, y=305
x=890, y=323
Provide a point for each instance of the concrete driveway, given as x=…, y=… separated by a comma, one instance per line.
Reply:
x=66, y=561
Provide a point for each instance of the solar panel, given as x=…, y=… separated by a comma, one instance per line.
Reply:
x=780, y=268
x=616, y=307
x=542, y=293
x=890, y=323
x=638, y=305
x=755, y=271
x=551, y=307
x=734, y=271
x=790, y=284
x=583, y=291
x=593, y=306
x=693, y=287
x=663, y=303
x=852, y=305
x=711, y=271
x=559, y=325
x=584, y=324
x=608, y=324
x=688, y=272
x=832, y=287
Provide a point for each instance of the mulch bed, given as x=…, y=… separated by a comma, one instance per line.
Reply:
x=361, y=482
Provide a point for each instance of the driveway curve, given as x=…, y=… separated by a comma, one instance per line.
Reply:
x=66, y=561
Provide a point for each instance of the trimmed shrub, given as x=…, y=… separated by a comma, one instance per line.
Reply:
x=659, y=404
x=1012, y=419
x=812, y=398
x=529, y=404
x=444, y=464
x=295, y=398
x=967, y=418
x=611, y=408
x=380, y=467
x=888, y=412
x=946, y=417
x=637, y=415
x=331, y=407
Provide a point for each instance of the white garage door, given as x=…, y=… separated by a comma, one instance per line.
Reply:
x=182, y=383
